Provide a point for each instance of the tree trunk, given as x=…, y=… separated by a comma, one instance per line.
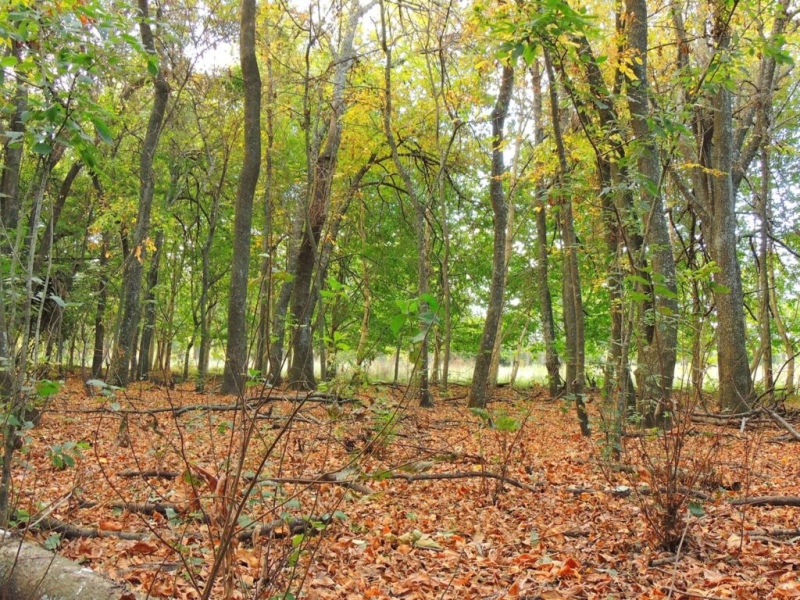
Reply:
x=551, y=360
x=421, y=224
x=764, y=321
x=98, y=352
x=788, y=345
x=573, y=302
x=132, y=268
x=28, y=572
x=10, y=200
x=63, y=193
x=301, y=373
x=494, y=311
x=265, y=316
x=235, y=373
x=149, y=325
x=658, y=318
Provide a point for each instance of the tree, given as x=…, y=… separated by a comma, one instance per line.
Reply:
x=494, y=311
x=133, y=266
x=301, y=374
x=236, y=353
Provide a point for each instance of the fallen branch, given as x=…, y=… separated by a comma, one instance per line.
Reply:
x=323, y=479
x=644, y=490
x=783, y=423
x=132, y=473
x=471, y=475
x=175, y=410
x=283, y=528
x=146, y=508
x=767, y=501
x=302, y=397
x=70, y=532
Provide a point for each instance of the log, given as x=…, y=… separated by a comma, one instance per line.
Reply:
x=28, y=572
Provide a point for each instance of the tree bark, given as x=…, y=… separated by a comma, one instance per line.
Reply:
x=301, y=373
x=575, y=354
x=421, y=224
x=10, y=200
x=494, y=311
x=149, y=325
x=132, y=268
x=658, y=318
x=551, y=360
x=29, y=572
x=235, y=373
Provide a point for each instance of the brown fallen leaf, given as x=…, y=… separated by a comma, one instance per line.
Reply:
x=106, y=525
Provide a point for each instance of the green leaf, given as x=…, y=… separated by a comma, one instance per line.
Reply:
x=696, y=509
x=58, y=300
x=102, y=130
x=534, y=538
x=53, y=541
x=46, y=388
x=152, y=66
x=42, y=148
x=397, y=324
x=8, y=61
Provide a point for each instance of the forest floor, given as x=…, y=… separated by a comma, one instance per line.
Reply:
x=374, y=497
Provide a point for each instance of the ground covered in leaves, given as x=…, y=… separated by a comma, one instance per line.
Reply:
x=373, y=497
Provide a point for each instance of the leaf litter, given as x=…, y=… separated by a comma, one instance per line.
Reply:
x=574, y=531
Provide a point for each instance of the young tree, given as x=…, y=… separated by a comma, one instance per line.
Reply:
x=236, y=354
x=494, y=311
x=133, y=266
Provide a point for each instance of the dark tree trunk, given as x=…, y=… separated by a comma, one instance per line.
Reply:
x=10, y=200
x=132, y=268
x=149, y=325
x=304, y=294
x=575, y=354
x=551, y=360
x=236, y=354
x=658, y=318
x=262, y=363
x=494, y=311
x=63, y=193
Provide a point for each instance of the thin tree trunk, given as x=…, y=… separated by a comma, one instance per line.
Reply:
x=235, y=373
x=421, y=223
x=10, y=200
x=149, y=325
x=788, y=345
x=132, y=268
x=264, y=343
x=551, y=360
x=572, y=299
x=16, y=366
x=658, y=324
x=765, y=329
x=494, y=311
